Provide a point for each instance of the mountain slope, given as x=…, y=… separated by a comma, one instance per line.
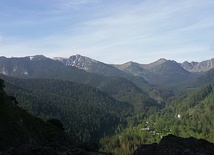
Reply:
x=170, y=73
x=154, y=64
x=91, y=65
x=94, y=66
x=85, y=112
x=141, y=75
x=187, y=115
x=196, y=113
x=18, y=128
x=207, y=78
x=161, y=72
x=137, y=70
x=203, y=66
x=189, y=66
x=30, y=67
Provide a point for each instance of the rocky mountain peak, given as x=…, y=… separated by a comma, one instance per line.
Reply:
x=91, y=65
x=80, y=62
x=162, y=60
x=78, y=58
x=189, y=65
x=127, y=64
x=203, y=66
x=156, y=63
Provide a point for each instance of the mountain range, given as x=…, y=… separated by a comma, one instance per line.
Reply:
x=138, y=84
x=162, y=68
x=81, y=69
x=113, y=103
x=131, y=82
x=91, y=65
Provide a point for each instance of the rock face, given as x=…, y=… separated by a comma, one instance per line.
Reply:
x=172, y=145
x=203, y=66
x=189, y=66
x=91, y=65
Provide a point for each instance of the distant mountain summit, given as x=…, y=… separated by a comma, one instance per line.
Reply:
x=23, y=66
x=90, y=65
x=155, y=64
x=136, y=69
x=160, y=72
x=170, y=72
x=189, y=66
x=37, y=57
x=82, y=62
x=203, y=66
x=165, y=67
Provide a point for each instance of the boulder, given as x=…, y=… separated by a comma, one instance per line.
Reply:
x=173, y=145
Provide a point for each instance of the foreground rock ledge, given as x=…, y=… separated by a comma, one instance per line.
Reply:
x=172, y=145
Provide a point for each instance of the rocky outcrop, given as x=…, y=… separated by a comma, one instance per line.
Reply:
x=93, y=66
x=189, y=66
x=203, y=66
x=172, y=145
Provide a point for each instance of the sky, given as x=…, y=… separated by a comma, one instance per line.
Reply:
x=111, y=31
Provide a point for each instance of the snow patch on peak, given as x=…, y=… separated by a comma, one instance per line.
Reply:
x=15, y=69
x=4, y=71
x=37, y=57
x=25, y=73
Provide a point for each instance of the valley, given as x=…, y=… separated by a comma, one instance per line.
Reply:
x=116, y=106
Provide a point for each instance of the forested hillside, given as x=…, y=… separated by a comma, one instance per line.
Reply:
x=106, y=77
x=118, y=87
x=85, y=112
x=118, y=113
x=20, y=132
x=185, y=116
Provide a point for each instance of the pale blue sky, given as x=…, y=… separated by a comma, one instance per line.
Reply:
x=112, y=31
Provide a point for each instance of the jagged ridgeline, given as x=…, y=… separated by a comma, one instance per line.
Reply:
x=85, y=112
